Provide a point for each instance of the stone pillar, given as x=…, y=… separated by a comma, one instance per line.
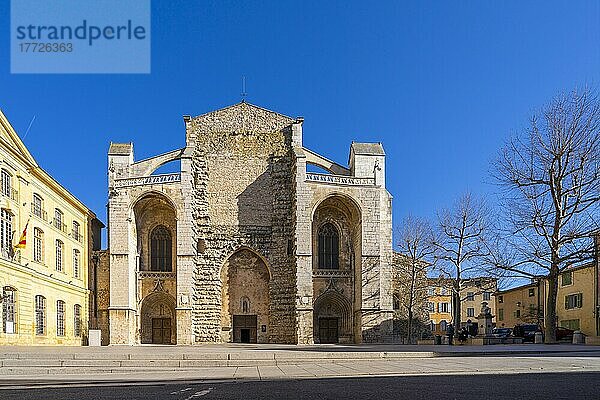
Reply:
x=485, y=321
x=303, y=249
x=122, y=242
x=187, y=243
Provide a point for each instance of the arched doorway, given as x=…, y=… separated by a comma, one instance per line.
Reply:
x=158, y=323
x=337, y=270
x=332, y=318
x=245, y=298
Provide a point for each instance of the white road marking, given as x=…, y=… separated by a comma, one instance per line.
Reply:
x=181, y=391
x=200, y=394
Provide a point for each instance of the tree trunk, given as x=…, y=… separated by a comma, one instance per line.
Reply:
x=550, y=320
x=410, y=320
x=456, y=305
x=411, y=300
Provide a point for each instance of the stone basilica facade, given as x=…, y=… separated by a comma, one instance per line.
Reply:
x=244, y=244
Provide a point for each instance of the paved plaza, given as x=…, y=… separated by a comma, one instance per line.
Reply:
x=41, y=366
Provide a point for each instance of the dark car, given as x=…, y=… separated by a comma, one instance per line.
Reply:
x=564, y=333
x=502, y=332
x=527, y=332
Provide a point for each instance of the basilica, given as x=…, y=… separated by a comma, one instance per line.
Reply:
x=244, y=243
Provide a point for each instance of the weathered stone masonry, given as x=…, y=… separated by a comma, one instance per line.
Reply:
x=243, y=214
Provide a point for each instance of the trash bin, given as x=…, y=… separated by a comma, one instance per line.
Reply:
x=538, y=338
x=578, y=337
x=437, y=339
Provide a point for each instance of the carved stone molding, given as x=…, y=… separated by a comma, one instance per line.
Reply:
x=156, y=275
x=339, y=180
x=148, y=180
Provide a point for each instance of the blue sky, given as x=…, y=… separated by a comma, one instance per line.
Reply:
x=441, y=84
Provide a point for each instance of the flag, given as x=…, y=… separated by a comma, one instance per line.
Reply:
x=23, y=240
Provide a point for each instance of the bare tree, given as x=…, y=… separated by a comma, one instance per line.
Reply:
x=460, y=244
x=416, y=244
x=551, y=176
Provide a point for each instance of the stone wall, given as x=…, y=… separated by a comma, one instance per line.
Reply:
x=243, y=197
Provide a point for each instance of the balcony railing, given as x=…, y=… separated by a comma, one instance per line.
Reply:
x=77, y=236
x=59, y=225
x=7, y=253
x=11, y=193
x=39, y=212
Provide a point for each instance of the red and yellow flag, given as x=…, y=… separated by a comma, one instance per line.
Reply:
x=23, y=240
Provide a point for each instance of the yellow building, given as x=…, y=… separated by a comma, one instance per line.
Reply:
x=574, y=305
x=439, y=305
x=520, y=305
x=473, y=292
x=44, y=284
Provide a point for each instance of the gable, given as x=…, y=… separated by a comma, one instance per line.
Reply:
x=13, y=143
x=242, y=118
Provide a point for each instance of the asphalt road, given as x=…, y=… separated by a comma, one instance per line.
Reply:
x=461, y=387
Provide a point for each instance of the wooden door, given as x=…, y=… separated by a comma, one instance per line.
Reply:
x=245, y=328
x=161, y=330
x=328, y=330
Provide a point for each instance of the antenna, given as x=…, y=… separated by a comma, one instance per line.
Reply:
x=29, y=127
x=244, y=94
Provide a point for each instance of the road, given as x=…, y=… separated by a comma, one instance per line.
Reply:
x=553, y=386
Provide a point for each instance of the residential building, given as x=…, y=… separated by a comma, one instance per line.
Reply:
x=43, y=281
x=575, y=305
x=521, y=305
x=473, y=292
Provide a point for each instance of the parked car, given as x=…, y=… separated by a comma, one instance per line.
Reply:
x=502, y=332
x=527, y=332
x=564, y=333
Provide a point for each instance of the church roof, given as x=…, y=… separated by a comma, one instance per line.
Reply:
x=120, y=149
x=245, y=106
x=371, y=149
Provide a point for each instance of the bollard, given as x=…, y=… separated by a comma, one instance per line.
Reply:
x=539, y=338
x=578, y=337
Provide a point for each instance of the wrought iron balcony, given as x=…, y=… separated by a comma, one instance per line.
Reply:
x=11, y=193
x=39, y=212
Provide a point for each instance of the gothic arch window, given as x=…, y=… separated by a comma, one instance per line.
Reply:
x=160, y=249
x=329, y=247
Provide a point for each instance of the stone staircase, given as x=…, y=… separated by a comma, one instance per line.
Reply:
x=116, y=360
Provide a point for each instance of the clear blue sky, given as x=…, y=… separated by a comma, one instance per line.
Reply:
x=441, y=84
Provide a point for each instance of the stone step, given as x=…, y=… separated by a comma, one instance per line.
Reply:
x=214, y=356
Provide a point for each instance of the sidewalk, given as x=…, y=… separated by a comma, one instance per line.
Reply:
x=151, y=364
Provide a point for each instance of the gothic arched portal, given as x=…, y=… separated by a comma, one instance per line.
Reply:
x=245, y=298
x=158, y=323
